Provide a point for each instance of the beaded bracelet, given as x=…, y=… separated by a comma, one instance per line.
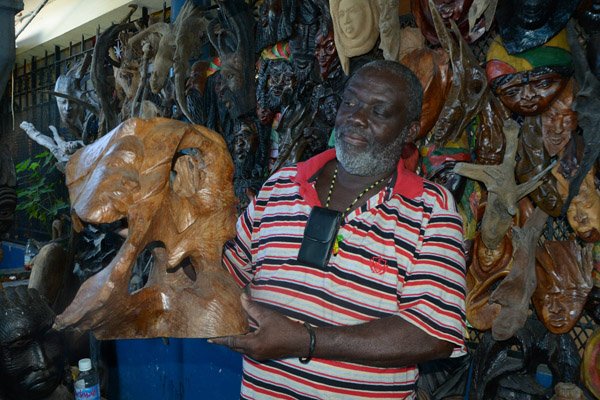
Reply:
x=312, y=344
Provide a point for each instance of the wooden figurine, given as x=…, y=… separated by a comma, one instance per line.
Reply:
x=488, y=267
x=564, y=281
x=166, y=185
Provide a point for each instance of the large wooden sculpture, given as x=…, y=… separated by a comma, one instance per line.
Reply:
x=503, y=191
x=469, y=89
x=169, y=183
x=564, y=275
x=514, y=291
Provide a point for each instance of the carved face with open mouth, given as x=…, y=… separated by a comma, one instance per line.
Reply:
x=165, y=186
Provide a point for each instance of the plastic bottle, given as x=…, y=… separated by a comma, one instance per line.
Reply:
x=86, y=385
x=29, y=254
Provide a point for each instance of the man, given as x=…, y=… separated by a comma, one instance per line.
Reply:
x=392, y=292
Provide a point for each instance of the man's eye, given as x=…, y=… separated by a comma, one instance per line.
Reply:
x=544, y=84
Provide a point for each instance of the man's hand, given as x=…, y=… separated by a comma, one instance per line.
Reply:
x=276, y=336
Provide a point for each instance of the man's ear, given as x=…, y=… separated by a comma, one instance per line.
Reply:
x=413, y=131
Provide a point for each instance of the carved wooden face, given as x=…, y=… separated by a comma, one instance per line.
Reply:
x=169, y=183
x=31, y=353
x=326, y=53
x=564, y=282
x=71, y=113
x=584, y=211
x=281, y=80
x=559, y=121
x=529, y=93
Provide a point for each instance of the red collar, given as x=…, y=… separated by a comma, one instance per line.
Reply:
x=408, y=184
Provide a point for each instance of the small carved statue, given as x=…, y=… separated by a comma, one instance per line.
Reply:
x=169, y=184
x=528, y=83
x=564, y=281
x=330, y=68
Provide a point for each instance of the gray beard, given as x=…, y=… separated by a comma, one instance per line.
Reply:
x=376, y=160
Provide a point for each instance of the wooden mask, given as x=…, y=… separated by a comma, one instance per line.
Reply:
x=564, y=281
x=559, y=121
x=355, y=28
x=170, y=183
x=432, y=67
x=583, y=212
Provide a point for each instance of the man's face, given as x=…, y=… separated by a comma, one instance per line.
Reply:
x=529, y=93
x=371, y=124
x=352, y=15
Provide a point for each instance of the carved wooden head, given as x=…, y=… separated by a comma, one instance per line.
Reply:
x=564, y=281
x=559, y=121
x=170, y=184
x=31, y=353
x=583, y=213
x=355, y=27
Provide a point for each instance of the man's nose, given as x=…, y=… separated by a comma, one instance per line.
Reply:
x=581, y=215
x=555, y=305
x=358, y=116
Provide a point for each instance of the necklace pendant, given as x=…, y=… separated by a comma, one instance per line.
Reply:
x=336, y=244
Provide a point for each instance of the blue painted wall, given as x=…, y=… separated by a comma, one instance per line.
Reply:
x=175, y=369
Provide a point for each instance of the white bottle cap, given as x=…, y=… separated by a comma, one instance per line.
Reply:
x=85, y=364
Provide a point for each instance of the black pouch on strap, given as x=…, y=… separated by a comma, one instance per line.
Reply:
x=319, y=236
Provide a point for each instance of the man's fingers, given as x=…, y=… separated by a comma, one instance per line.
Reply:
x=235, y=343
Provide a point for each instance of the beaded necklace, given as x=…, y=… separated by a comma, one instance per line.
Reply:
x=339, y=238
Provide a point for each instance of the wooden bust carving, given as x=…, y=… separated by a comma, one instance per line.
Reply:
x=489, y=266
x=564, y=281
x=355, y=28
x=170, y=184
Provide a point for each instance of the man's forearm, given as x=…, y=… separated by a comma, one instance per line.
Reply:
x=387, y=342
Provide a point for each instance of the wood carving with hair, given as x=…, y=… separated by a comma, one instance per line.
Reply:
x=166, y=185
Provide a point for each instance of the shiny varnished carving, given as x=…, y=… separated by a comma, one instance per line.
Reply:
x=169, y=183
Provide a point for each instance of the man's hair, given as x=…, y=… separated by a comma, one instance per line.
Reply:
x=414, y=90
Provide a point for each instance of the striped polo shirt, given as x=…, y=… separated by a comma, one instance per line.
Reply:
x=401, y=254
